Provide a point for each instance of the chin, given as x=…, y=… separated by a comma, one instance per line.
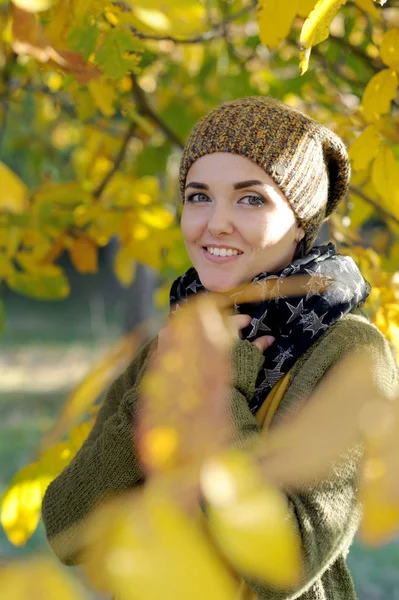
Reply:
x=217, y=284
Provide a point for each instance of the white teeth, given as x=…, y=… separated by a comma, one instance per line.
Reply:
x=222, y=251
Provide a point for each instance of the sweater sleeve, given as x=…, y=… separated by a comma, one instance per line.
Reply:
x=105, y=463
x=327, y=514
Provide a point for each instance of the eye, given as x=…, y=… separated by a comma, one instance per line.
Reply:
x=257, y=200
x=200, y=198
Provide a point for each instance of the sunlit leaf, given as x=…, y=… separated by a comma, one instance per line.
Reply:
x=119, y=53
x=29, y=38
x=251, y=521
x=305, y=7
x=369, y=7
x=38, y=578
x=84, y=255
x=125, y=266
x=275, y=20
x=316, y=28
x=364, y=148
x=34, y=5
x=41, y=284
x=129, y=538
x=13, y=192
x=379, y=93
x=104, y=95
x=21, y=502
x=389, y=49
x=385, y=178
x=182, y=418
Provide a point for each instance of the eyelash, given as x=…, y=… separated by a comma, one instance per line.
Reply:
x=263, y=201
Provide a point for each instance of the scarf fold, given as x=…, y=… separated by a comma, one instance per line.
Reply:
x=295, y=322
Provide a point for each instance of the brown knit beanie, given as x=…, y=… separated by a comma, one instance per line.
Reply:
x=306, y=160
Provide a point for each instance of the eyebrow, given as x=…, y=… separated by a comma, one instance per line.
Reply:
x=237, y=186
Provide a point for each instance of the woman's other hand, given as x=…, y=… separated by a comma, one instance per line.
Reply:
x=238, y=322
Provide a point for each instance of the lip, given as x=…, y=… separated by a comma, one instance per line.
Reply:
x=219, y=259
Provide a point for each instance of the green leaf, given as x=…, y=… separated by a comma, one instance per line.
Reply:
x=115, y=56
x=83, y=38
x=39, y=285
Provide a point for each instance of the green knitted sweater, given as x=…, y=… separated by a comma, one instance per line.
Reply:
x=327, y=513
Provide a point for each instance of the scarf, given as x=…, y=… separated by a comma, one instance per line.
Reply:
x=295, y=322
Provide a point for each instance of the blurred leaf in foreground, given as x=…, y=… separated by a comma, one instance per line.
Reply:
x=38, y=579
x=145, y=546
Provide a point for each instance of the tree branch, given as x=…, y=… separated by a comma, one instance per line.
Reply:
x=388, y=215
x=215, y=32
x=118, y=161
x=145, y=109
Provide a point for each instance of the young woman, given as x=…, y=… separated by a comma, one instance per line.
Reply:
x=257, y=180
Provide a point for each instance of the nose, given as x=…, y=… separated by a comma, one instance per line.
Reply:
x=220, y=220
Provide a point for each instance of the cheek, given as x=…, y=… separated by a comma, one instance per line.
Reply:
x=191, y=225
x=270, y=230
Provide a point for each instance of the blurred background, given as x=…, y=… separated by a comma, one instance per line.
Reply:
x=96, y=102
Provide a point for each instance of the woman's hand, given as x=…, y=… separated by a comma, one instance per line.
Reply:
x=238, y=322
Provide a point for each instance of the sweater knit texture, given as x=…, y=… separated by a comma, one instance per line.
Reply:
x=327, y=514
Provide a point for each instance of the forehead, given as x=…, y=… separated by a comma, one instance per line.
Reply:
x=225, y=167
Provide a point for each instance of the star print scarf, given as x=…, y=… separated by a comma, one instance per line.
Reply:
x=295, y=322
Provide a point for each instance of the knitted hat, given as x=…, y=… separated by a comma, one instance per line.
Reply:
x=306, y=160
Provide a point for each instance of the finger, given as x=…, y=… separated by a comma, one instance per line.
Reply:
x=264, y=342
x=239, y=321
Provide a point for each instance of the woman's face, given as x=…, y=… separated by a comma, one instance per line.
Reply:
x=231, y=204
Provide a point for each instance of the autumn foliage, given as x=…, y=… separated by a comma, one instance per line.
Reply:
x=97, y=98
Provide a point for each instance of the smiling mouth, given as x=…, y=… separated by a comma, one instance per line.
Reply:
x=222, y=252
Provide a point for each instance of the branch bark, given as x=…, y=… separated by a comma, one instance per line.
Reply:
x=118, y=161
x=145, y=109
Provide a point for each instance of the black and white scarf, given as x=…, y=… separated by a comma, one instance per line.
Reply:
x=295, y=322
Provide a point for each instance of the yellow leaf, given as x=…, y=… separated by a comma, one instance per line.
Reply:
x=369, y=7
x=305, y=7
x=34, y=5
x=364, y=148
x=157, y=217
x=317, y=28
x=379, y=93
x=147, y=251
x=125, y=266
x=155, y=19
x=132, y=534
x=250, y=520
x=44, y=282
x=21, y=502
x=275, y=19
x=360, y=212
x=380, y=519
x=84, y=255
x=389, y=49
x=183, y=17
x=21, y=505
x=38, y=578
x=29, y=38
x=184, y=390
x=13, y=192
x=385, y=179
x=68, y=193
x=104, y=95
